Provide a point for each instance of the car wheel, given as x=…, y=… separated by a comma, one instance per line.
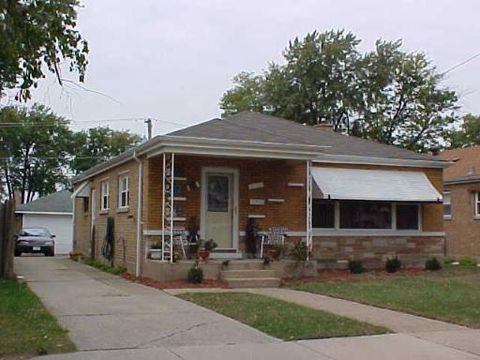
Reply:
x=51, y=253
x=18, y=253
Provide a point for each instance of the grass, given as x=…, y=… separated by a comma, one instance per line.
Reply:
x=116, y=270
x=451, y=294
x=26, y=328
x=279, y=318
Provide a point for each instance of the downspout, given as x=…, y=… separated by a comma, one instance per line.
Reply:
x=139, y=213
x=74, y=247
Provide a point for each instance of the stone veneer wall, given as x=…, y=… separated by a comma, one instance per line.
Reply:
x=374, y=250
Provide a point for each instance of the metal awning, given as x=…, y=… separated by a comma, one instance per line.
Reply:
x=373, y=185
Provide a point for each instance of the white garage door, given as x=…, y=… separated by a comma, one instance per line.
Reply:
x=60, y=225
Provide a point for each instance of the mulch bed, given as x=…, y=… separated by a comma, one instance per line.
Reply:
x=345, y=275
x=175, y=284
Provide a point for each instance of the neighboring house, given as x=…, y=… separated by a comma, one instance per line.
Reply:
x=53, y=212
x=346, y=197
x=462, y=201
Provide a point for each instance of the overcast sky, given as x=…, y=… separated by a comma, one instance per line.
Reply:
x=172, y=60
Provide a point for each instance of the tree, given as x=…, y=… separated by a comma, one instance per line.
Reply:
x=387, y=95
x=38, y=151
x=38, y=34
x=403, y=101
x=92, y=146
x=468, y=134
x=33, y=151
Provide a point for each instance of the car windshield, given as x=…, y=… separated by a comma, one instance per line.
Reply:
x=35, y=232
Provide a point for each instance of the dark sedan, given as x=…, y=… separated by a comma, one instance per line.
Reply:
x=35, y=240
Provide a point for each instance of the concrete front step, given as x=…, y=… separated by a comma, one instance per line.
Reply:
x=245, y=265
x=246, y=274
x=253, y=283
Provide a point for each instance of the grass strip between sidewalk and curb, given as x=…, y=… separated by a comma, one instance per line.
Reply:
x=281, y=319
x=450, y=295
x=26, y=327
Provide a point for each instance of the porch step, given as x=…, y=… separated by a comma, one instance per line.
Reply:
x=245, y=265
x=246, y=274
x=269, y=282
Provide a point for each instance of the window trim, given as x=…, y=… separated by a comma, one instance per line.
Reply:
x=476, y=205
x=393, y=230
x=122, y=176
x=104, y=194
x=447, y=216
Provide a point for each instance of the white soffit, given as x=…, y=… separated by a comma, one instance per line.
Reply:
x=82, y=191
x=383, y=185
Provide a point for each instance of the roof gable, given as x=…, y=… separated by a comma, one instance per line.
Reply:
x=466, y=162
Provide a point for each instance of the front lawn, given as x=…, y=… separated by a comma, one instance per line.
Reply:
x=279, y=318
x=452, y=294
x=26, y=328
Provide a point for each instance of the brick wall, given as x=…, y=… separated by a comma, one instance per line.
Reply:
x=124, y=219
x=81, y=237
x=275, y=174
x=462, y=230
x=374, y=250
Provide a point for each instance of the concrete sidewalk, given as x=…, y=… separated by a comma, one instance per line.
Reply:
x=439, y=332
x=111, y=318
x=106, y=312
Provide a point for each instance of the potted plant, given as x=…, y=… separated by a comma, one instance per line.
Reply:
x=205, y=247
x=155, y=251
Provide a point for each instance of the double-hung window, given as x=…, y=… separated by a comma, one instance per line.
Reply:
x=123, y=191
x=104, y=203
x=447, y=205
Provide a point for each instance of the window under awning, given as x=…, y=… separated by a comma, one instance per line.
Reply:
x=373, y=185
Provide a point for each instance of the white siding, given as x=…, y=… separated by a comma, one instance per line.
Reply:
x=59, y=225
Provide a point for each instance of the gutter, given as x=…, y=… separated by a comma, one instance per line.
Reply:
x=462, y=180
x=139, y=213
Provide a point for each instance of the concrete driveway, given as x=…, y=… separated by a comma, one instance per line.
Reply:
x=111, y=318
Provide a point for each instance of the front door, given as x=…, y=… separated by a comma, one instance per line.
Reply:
x=219, y=207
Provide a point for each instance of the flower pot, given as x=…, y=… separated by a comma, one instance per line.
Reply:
x=203, y=254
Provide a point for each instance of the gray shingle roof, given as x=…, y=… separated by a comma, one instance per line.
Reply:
x=250, y=126
x=256, y=127
x=56, y=202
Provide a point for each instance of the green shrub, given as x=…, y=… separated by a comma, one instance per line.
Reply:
x=393, y=265
x=467, y=261
x=116, y=270
x=449, y=261
x=300, y=251
x=195, y=275
x=433, y=264
x=356, y=267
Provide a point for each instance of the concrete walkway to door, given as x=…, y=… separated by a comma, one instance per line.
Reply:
x=111, y=318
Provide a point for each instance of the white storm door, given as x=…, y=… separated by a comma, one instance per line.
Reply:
x=219, y=207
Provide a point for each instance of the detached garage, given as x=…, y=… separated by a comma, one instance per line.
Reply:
x=53, y=212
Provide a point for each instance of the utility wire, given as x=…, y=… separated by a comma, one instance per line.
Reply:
x=471, y=58
x=68, y=122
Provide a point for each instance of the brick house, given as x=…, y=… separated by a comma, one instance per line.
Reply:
x=462, y=202
x=345, y=197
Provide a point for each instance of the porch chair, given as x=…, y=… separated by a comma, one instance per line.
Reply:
x=275, y=236
x=179, y=239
